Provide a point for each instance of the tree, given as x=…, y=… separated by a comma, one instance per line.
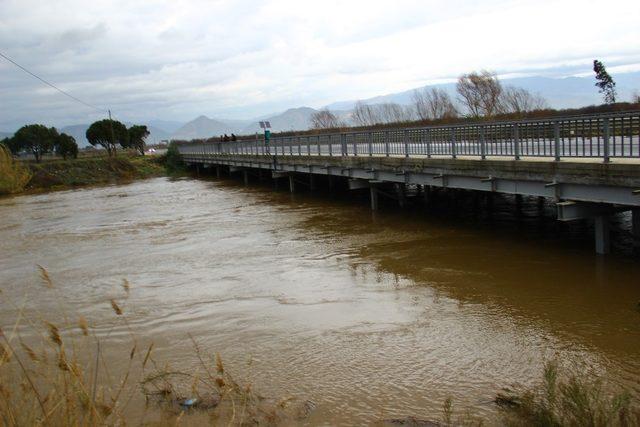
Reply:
x=137, y=136
x=365, y=115
x=480, y=93
x=390, y=112
x=605, y=83
x=325, y=119
x=519, y=101
x=37, y=139
x=100, y=133
x=66, y=146
x=635, y=98
x=433, y=104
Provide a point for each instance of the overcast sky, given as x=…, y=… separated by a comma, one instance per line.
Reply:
x=174, y=60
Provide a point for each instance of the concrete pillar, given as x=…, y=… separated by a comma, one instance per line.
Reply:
x=197, y=170
x=292, y=184
x=400, y=192
x=218, y=171
x=260, y=175
x=426, y=194
x=246, y=177
x=518, y=205
x=312, y=184
x=603, y=244
x=374, y=198
x=330, y=180
x=635, y=226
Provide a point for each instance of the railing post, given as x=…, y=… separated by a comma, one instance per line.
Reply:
x=405, y=138
x=370, y=143
x=318, y=144
x=483, y=144
x=386, y=143
x=607, y=139
x=556, y=140
x=428, y=135
x=355, y=145
x=330, y=144
x=308, y=146
x=516, y=141
x=343, y=144
x=453, y=143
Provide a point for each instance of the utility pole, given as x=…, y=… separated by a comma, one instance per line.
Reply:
x=113, y=139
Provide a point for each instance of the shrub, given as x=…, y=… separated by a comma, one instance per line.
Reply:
x=13, y=175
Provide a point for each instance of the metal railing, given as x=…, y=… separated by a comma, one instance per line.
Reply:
x=606, y=136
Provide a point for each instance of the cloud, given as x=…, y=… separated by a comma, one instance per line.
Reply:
x=178, y=59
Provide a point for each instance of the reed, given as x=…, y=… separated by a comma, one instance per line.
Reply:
x=569, y=400
x=66, y=380
x=13, y=175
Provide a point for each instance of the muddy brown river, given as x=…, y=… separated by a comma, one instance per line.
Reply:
x=367, y=315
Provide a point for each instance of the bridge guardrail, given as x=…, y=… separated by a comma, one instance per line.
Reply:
x=606, y=136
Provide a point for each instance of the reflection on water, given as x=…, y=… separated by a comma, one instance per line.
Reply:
x=365, y=314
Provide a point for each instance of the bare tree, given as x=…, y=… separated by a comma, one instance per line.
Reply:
x=325, y=119
x=391, y=112
x=433, y=104
x=365, y=115
x=480, y=93
x=519, y=101
x=635, y=98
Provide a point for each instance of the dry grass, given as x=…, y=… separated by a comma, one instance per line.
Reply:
x=568, y=401
x=66, y=379
x=14, y=176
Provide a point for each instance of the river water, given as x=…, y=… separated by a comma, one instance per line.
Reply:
x=367, y=315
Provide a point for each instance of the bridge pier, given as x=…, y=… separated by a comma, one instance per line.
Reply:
x=312, y=183
x=635, y=226
x=245, y=174
x=603, y=243
x=373, y=192
x=400, y=194
x=218, y=172
x=292, y=184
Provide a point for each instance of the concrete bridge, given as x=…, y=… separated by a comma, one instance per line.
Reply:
x=590, y=165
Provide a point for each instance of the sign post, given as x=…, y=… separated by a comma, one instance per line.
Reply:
x=267, y=133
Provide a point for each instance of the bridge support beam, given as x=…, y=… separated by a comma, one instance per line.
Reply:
x=357, y=184
x=276, y=175
x=603, y=243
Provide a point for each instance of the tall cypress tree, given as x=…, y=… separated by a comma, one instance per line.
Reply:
x=604, y=82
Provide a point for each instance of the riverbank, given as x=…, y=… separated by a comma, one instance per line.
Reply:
x=64, y=174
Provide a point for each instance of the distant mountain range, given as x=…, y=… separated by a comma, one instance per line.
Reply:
x=568, y=92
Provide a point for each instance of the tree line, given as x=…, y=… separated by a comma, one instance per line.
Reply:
x=37, y=139
x=480, y=94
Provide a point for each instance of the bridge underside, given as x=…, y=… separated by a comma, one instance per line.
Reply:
x=582, y=189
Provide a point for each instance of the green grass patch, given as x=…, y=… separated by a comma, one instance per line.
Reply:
x=60, y=174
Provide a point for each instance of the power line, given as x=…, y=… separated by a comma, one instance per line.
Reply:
x=50, y=84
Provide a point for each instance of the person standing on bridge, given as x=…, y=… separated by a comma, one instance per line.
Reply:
x=233, y=137
x=226, y=138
